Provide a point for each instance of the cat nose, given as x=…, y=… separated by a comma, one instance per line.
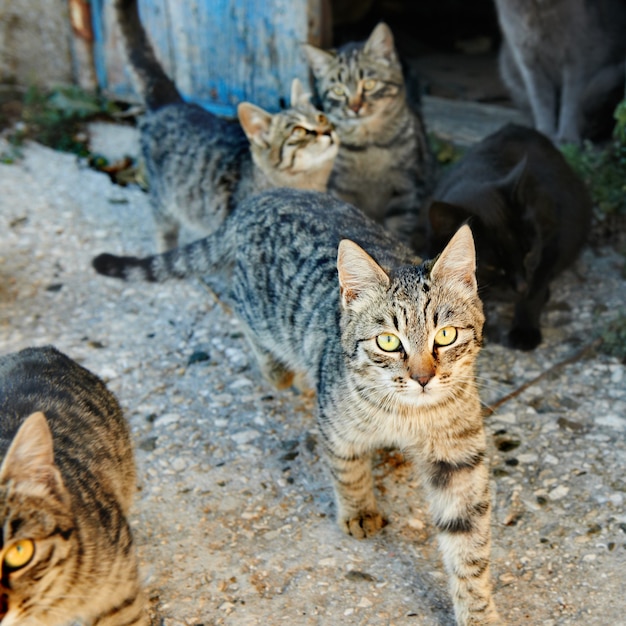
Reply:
x=355, y=105
x=423, y=378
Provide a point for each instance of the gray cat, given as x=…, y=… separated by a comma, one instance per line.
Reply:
x=529, y=212
x=388, y=343
x=67, y=480
x=200, y=165
x=384, y=166
x=565, y=62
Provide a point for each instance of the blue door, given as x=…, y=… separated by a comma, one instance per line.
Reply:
x=219, y=52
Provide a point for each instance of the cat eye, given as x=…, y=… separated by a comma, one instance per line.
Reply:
x=388, y=342
x=338, y=90
x=299, y=131
x=445, y=336
x=369, y=84
x=19, y=554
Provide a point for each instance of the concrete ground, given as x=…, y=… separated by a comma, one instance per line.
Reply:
x=234, y=517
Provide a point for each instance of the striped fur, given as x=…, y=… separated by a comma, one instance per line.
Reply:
x=313, y=303
x=384, y=165
x=200, y=165
x=66, y=482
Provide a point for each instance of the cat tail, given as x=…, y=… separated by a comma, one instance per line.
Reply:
x=154, y=85
x=202, y=257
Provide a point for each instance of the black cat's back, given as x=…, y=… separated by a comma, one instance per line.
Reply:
x=529, y=211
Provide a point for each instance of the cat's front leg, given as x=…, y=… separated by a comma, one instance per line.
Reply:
x=571, y=103
x=460, y=505
x=542, y=95
x=357, y=511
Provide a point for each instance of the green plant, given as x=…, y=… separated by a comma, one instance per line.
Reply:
x=613, y=337
x=604, y=169
x=55, y=117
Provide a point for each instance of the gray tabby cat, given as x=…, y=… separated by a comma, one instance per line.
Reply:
x=384, y=166
x=388, y=344
x=565, y=61
x=66, y=483
x=200, y=165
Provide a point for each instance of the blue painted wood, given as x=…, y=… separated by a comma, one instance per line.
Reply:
x=219, y=52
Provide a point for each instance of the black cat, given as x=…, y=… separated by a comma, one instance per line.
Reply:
x=530, y=214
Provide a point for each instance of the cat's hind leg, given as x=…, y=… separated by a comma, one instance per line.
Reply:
x=279, y=375
x=168, y=230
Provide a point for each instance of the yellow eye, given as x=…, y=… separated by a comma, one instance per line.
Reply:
x=369, y=84
x=338, y=90
x=388, y=342
x=19, y=554
x=298, y=131
x=445, y=336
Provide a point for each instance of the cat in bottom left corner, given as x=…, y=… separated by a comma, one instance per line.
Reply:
x=67, y=479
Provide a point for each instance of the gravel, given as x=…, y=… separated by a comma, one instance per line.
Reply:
x=234, y=515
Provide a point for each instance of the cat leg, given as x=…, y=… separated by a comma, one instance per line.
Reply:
x=461, y=508
x=167, y=231
x=274, y=371
x=525, y=333
x=357, y=512
x=351, y=471
x=570, y=109
x=529, y=88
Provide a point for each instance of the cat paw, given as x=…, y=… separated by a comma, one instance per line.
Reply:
x=363, y=525
x=524, y=338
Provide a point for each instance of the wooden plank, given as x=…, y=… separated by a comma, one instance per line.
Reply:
x=465, y=123
x=219, y=52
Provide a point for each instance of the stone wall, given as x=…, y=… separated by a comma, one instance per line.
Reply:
x=35, y=43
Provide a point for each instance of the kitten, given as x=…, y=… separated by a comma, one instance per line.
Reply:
x=384, y=165
x=66, y=483
x=388, y=344
x=199, y=165
x=530, y=214
x=565, y=61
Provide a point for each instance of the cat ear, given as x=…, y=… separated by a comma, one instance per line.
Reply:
x=30, y=458
x=358, y=272
x=381, y=44
x=255, y=123
x=458, y=259
x=445, y=218
x=318, y=59
x=298, y=95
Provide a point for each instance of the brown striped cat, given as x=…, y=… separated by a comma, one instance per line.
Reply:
x=388, y=343
x=67, y=480
x=200, y=165
x=384, y=165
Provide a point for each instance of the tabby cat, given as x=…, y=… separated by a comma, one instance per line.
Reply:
x=200, y=165
x=564, y=60
x=388, y=343
x=384, y=165
x=66, y=483
x=530, y=214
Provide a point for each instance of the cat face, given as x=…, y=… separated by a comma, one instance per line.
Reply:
x=415, y=332
x=359, y=81
x=38, y=539
x=298, y=140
